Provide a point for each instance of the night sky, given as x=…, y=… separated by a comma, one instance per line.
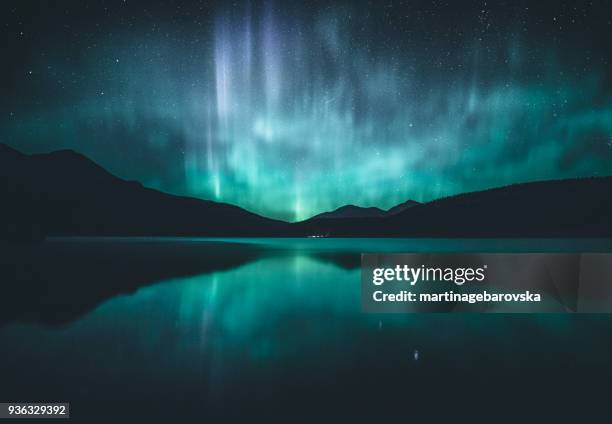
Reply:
x=289, y=109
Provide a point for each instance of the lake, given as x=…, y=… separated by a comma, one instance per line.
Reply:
x=146, y=330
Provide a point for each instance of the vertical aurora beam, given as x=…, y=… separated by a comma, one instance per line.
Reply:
x=308, y=117
x=224, y=69
x=272, y=64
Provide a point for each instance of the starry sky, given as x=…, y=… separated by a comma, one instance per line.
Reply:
x=291, y=108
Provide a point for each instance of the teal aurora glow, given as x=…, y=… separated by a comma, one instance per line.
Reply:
x=290, y=111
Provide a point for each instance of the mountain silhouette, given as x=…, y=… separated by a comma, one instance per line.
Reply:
x=401, y=207
x=559, y=208
x=65, y=193
x=352, y=211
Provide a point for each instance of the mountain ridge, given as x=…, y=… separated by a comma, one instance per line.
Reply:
x=64, y=193
x=580, y=207
x=353, y=211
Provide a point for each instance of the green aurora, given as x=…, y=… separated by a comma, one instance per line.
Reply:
x=290, y=112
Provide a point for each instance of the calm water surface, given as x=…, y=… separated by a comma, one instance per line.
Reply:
x=277, y=331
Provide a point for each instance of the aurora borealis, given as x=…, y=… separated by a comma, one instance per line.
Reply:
x=289, y=110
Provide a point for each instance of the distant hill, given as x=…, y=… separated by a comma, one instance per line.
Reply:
x=65, y=193
x=352, y=211
x=560, y=208
x=401, y=207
